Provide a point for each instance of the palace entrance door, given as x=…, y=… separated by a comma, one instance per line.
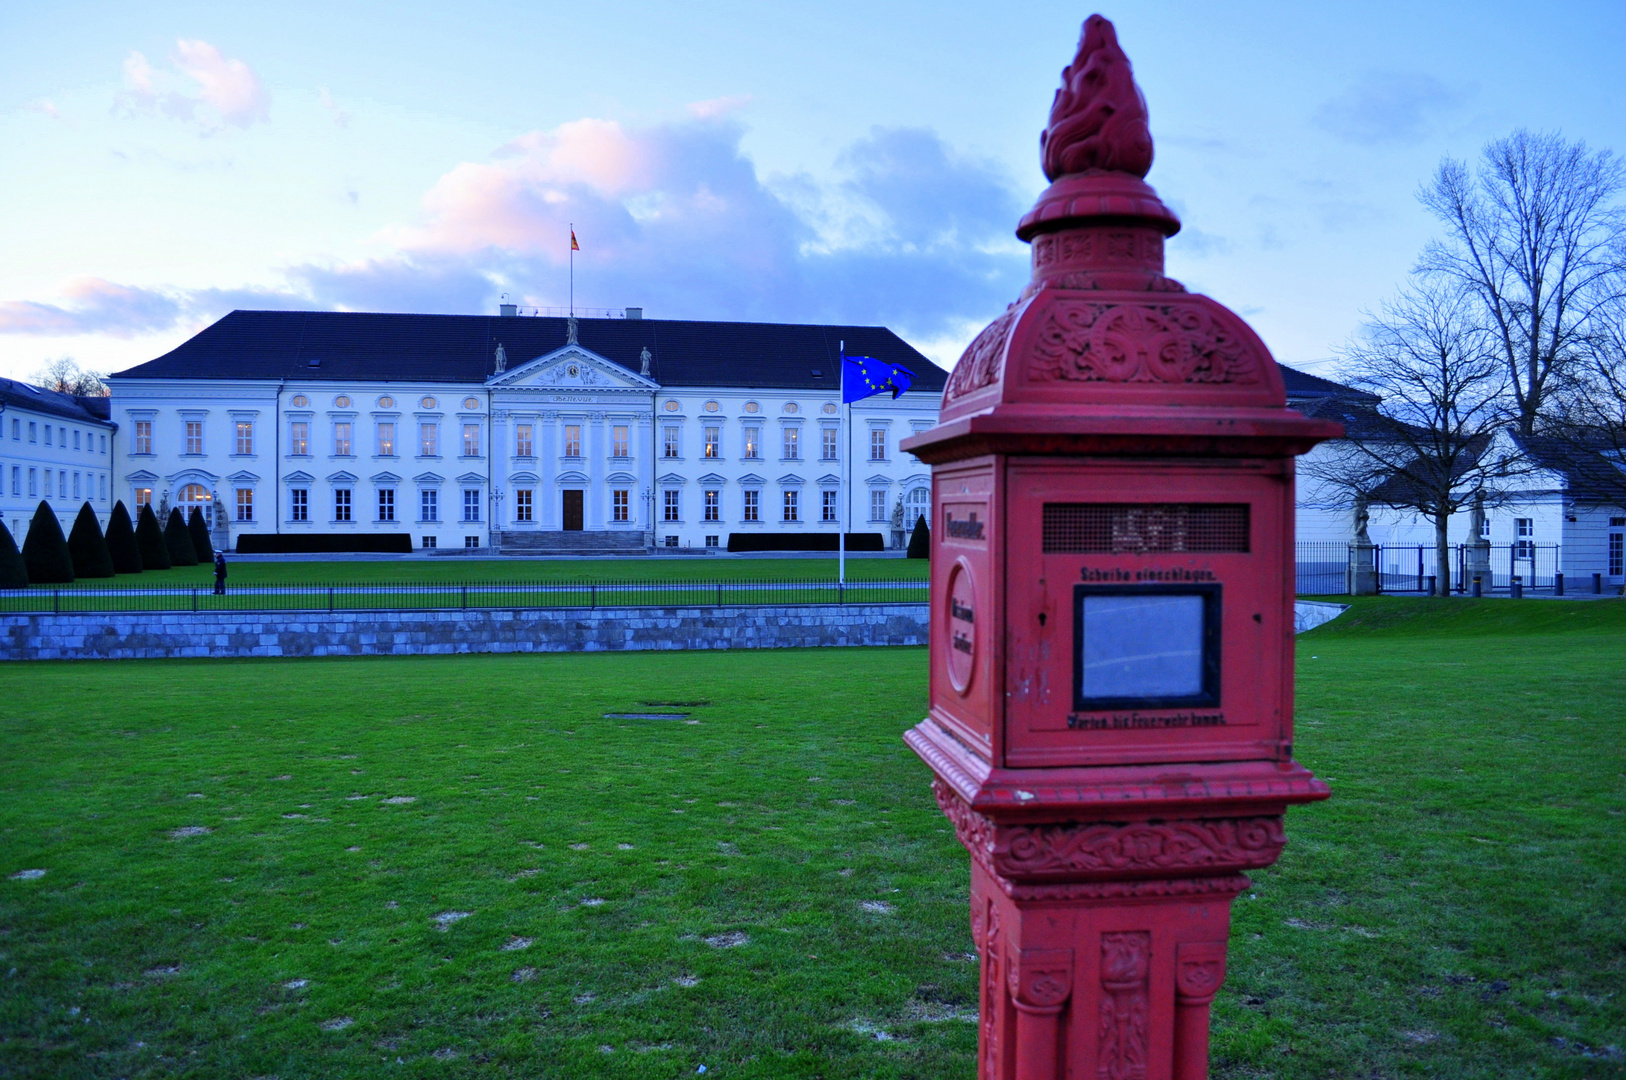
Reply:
x=572, y=510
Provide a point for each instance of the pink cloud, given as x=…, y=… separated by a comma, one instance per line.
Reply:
x=95, y=306
x=228, y=90
x=713, y=108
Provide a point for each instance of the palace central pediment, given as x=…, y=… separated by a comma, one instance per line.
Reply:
x=571, y=368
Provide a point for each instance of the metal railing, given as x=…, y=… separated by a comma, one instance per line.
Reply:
x=438, y=596
x=1326, y=568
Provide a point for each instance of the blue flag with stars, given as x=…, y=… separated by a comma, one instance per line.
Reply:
x=864, y=376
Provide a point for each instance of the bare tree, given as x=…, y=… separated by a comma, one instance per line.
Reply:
x=65, y=376
x=1536, y=238
x=1430, y=443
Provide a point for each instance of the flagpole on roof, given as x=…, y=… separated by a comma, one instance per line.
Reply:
x=573, y=268
x=846, y=495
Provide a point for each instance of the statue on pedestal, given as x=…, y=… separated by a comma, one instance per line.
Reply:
x=1363, y=577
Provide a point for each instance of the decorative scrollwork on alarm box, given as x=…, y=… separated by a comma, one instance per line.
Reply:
x=983, y=360
x=1134, y=343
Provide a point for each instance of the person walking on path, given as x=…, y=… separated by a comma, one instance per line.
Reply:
x=220, y=573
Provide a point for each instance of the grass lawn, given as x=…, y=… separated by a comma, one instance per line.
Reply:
x=770, y=890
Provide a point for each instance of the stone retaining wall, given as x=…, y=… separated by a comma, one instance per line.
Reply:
x=153, y=635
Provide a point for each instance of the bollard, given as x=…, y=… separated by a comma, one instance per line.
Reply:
x=1558, y=583
x=1433, y=584
x=1515, y=588
x=1597, y=584
x=1110, y=805
x=1479, y=588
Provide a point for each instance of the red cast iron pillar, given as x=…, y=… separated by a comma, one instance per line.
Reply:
x=1112, y=635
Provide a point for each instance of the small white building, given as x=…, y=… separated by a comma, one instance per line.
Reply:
x=53, y=447
x=524, y=433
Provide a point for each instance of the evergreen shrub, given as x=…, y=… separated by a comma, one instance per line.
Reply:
x=13, y=571
x=198, y=530
x=920, y=541
x=45, y=552
x=88, y=547
x=150, y=541
x=121, y=541
x=178, y=541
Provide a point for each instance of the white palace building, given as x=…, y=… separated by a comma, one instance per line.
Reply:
x=523, y=433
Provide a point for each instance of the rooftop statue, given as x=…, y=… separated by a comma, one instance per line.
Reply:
x=1098, y=120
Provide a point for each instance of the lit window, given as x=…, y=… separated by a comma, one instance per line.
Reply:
x=143, y=496
x=618, y=441
x=429, y=504
x=245, y=504
x=299, y=437
x=341, y=504
x=522, y=504
x=429, y=440
x=827, y=444
x=341, y=440
x=194, y=495
x=522, y=442
x=828, y=499
x=793, y=448
x=877, y=444
x=712, y=437
x=790, y=505
x=299, y=504
x=386, y=504
x=194, y=436
x=670, y=499
x=752, y=501
x=386, y=438
x=619, y=504
x=753, y=442
x=669, y=442
x=471, y=504
x=712, y=507
x=573, y=440
x=471, y=442
x=877, y=505
x=245, y=436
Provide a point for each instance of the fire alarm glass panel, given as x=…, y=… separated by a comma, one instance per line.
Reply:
x=1149, y=646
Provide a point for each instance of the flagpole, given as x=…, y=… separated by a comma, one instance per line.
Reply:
x=573, y=268
x=847, y=499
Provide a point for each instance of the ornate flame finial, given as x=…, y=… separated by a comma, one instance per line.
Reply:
x=1098, y=120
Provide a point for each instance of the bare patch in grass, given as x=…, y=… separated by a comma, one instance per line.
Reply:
x=879, y=907
x=189, y=830
x=514, y=944
x=28, y=875
x=731, y=940
x=163, y=971
x=400, y=800
x=593, y=901
x=623, y=847
x=580, y=847
x=447, y=918
x=686, y=980
x=296, y=984
x=445, y=1053
x=583, y=999
x=522, y=975
x=338, y=1023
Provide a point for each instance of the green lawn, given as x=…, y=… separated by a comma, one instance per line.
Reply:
x=694, y=893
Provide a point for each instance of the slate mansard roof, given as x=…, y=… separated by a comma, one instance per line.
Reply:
x=86, y=410
x=368, y=347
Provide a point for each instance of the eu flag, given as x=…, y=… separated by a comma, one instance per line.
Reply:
x=863, y=376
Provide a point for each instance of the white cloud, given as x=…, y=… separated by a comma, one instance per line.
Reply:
x=341, y=118
x=204, y=87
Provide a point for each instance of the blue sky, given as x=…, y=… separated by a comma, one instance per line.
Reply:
x=162, y=163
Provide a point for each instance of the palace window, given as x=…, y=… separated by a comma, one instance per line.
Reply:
x=194, y=436
x=429, y=440
x=471, y=504
x=341, y=504
x=753, y=501
x=34, y=484
x=299, y=438
x=669, y=441
x=386, y=438
x=793, y=449
x=619, y=504
x=62, y=484
x=299, y=504
x=386, y=504
x=877, y=504
x=713, y=434
x=1525, y=548
x=753, y=442
x=573, y=440
x=1617, y=554
x=143, y=496
x=791, y=498
x=47, y=434
x=76, y=485
x=672, y=507
x=33, y=433
x=341, y=439
x=17, y=480
x=618, y=441
x=471, y=442
x=522, y=442
x=828, y=499
x=76, y=438
x=827, y=444
x=877, y=444
x=429, y=504
x=245, y=504
x=103, y=486
x=712, y=499
x=522, y=504
x=245, y=436
x=430, y=541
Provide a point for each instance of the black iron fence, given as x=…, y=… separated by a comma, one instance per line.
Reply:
x=1325, y=568
x=458, y=595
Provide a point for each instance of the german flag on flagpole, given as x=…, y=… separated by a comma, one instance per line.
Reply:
x=573, y=245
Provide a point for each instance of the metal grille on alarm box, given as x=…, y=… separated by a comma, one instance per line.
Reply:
x=1144, y=528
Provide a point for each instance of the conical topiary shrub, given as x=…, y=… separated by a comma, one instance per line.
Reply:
x=179, y=541
x=91, y=559
x=121, y=541
x=150, y=541
x=920, y=541
x=13, y=571
x=45, y=552
x=198, y=530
